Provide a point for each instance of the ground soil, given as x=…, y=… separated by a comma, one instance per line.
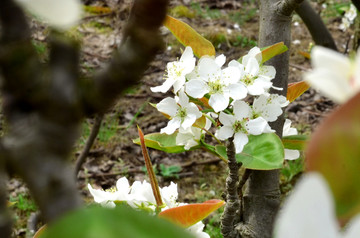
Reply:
x=202, y=175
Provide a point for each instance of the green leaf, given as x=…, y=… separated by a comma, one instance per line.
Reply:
x=120, y=222
x=262, y=152
x=163, y=142
x=272, y=51
x=188, y=215
x=334, y=151
x=189, y=37
x=295, y=142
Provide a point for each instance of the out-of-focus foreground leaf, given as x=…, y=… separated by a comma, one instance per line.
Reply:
x=334, y=151
x=120, y=222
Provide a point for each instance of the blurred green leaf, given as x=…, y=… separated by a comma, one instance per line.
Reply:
x=295, y=142
x=334, y=151
x=262, y=152
x=120, y=222
x=163, y=142
x=187, y=36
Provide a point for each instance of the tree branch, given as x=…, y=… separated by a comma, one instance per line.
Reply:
x=315, y=25
x=287, y=7
x=141, y=42
x=232, y=206
x=90, y=141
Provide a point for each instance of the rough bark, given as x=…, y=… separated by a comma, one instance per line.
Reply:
x=232, y=205
x=44, y=104
x=262, y=196
x=315, y=25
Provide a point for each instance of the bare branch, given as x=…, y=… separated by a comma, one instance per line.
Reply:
x=90, y=141
x=232, y=206
x=141, y=42
x=287, y=7
x=315, y=25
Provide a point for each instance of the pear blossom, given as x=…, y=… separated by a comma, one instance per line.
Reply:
x=334, y=75
x=220, y=84
x=107, y=198
x=240, y=125
x=309, y=212
x=177, y=71
x=59, y=14
x=290, y=131
x=140, y=196
x=182, y=112
x=348, y=18
x=269, y=106
x=189, y=138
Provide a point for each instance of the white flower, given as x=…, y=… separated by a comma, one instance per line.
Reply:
x=189, y=137
x=140, y=196
x=348, y=18
x=219, y=84
x=334, y=75
x=59, y=14
x=107, y=198
x=255, y=76
x=197, y=230
x=269, y=106
x=176, y=72
x=240, y=125
x=182, y=113
x=289, y=131
x=309, y=212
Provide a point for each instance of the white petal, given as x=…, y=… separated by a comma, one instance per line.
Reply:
x=259, y=86
x=189, y=120
x=226, y=119
x=164, y=87
x=237, y=91
x=196, y=230
x=254, y=52
x=170, y=194
x=352, y=230
x=178, y=84
x=324, y=58
x=220, y=60
x=241, y=110
x=240, y=140
x=288, y=130
x=60, y=14
x=291, y=154
x=122, y=185
x=207, y=66
x=168, y=106
x=218, y=102
x=172, y=125
x=187, y=54
x=252, y=67
x=330, y=84
x=196, y=88
x=224, y=132
x=231, y=75
x=191, y=108
x=258, y=126
x=267, y=71
x=308, y=211
x=183, y=99
x=101, y=196
x=235, y=63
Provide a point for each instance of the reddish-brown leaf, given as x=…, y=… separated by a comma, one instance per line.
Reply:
x=190, y=214
x=295, y=90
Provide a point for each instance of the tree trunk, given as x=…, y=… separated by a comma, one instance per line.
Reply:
x=262, y=196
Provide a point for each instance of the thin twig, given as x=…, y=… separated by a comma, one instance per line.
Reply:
x=90, y=141
x=243, y=180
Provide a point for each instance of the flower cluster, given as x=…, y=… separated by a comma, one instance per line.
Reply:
x=140, y=196
x=217, y=93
